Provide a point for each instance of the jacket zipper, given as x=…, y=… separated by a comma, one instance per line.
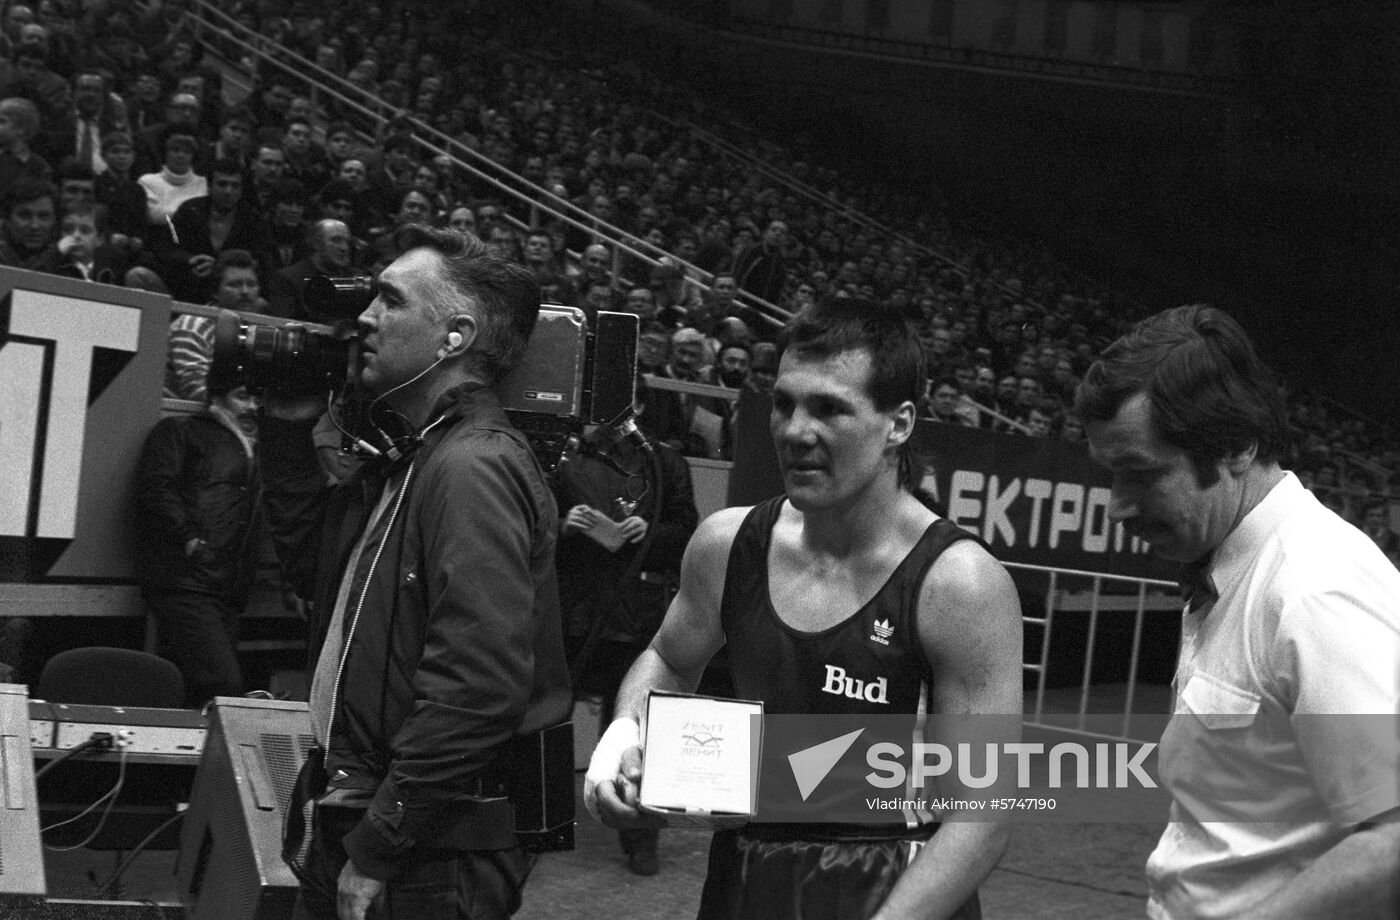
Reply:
x=359, y=605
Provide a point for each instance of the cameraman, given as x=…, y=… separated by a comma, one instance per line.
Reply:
x=436, y=641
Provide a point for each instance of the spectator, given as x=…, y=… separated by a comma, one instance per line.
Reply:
x=31, y=218
x=19, y=123
x=84, y=249
x=235, y=140
x=763, y=372
x=17, y=17
x=204, y=228
x=762, y=268
x=144, y=108
x=731, y=368
x=943, y=402
x=269, y=102
x=340, y=144
x=181, y=112
x=1040, y=420
x=501, y=239
x=330, y=257
x=94, y=113
x=412, y=208
x=338, y=201
x=673, y=293
x=549, y=274
x=306, y=162
x=462, y=219
x=176, y=182
x=388, y=184
x=642, y=302
x=269, y=165
x=76, y=186
x=120, y=193
x=1028, y=397
x=191, y=345
x=1072, y=429
x=687, y=356
x=33, y=80
x=426, y=180
x=197, y=491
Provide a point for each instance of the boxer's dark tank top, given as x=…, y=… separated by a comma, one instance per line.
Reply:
x=870, y=662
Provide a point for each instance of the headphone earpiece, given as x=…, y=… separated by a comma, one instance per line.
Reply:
x=454, y=340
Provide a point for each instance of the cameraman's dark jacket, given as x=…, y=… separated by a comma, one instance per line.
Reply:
x=194, y=479
x=457, y=651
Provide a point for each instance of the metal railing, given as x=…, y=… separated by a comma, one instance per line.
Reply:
x=792, y=184
x=1095, y=604
x=217, y=28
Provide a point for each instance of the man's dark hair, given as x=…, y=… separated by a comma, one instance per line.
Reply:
x=336, y=190
x=27, y=188
x=407, y=193
x=1208, y=392
x=738, y=344
x=898, y=369
x=232, y=258
x=226, y=166
x=287, y=191
x=400, y=142
x=239, y=114
x=32, y=51
x=170, y=132
x=72, y=169
x=507, y=294
x=96, y=212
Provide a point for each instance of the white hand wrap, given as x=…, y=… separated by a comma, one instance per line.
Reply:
x=606, y=762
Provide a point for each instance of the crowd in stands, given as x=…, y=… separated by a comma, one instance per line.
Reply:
x=125, y=159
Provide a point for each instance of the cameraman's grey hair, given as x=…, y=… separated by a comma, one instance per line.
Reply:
x=502, y=295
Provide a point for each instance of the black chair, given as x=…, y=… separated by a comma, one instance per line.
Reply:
x=102, y=676
x=150, y=793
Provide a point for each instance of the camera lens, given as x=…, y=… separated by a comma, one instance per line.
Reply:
x=289, y=360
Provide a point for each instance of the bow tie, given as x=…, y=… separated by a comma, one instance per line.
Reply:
x=1194, y=581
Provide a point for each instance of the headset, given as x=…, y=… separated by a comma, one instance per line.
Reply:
x=405, y=445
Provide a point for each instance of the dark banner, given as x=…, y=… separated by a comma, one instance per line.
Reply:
x=1032, y=500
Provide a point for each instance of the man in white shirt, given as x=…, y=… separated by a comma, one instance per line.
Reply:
x=1281, y=755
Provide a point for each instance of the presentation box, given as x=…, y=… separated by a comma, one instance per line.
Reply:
x=701, y=756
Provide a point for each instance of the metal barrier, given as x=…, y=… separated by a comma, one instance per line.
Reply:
x=1095, y=603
